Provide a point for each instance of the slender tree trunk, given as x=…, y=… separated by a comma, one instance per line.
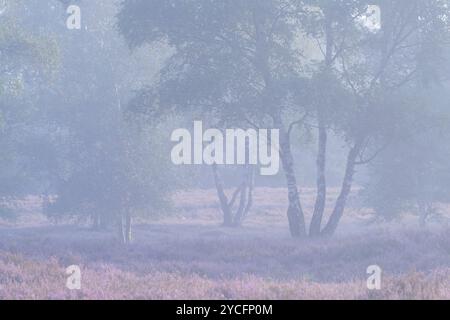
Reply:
x=246, y=196
x=295, y=213
x=121, y=229
x=227, y=214
x=128, y=224
x=237, y=221
x=341, y=201
x=321, y=197
x=251, y=182
x=321, y=183
x=125, y=227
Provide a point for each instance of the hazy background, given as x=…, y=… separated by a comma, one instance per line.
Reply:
x=358, y=89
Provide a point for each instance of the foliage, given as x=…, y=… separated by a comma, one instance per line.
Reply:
x=26, y=58
x=412, y=173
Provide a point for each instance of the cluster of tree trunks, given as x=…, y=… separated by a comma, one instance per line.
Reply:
x=237, y=208
x=125, y=223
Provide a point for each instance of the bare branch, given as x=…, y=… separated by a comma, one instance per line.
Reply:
x=235, y=194
x=372, y=157
x=295, y=123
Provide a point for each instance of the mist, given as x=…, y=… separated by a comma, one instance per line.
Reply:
x=235, y=150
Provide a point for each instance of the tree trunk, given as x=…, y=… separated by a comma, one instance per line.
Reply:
x=121, y=229
x=321, y=197
x=295, y=214
x=125, y=230
x=321, y=183
x=227, y=215
x=245, y=194
x=128, y=223
x=341, y=201
x=251, y=178
x=237, y=221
